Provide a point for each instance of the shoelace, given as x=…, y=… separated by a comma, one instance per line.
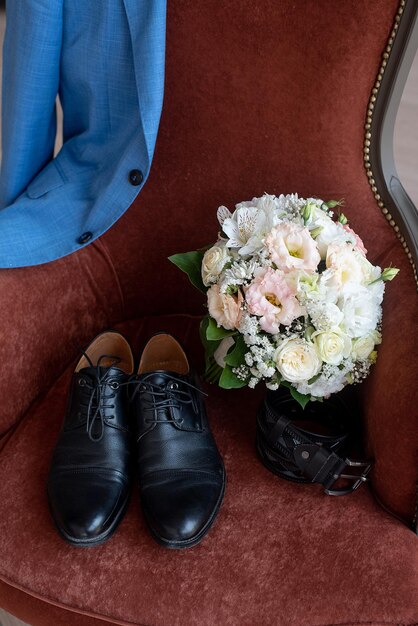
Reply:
x=164, y=396
x=95, y=398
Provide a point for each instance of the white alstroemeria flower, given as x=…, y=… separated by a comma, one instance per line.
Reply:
x=253, y=219
x=247, y=227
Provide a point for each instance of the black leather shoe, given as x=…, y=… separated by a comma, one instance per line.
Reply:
x=89, y=478
x=182, y=476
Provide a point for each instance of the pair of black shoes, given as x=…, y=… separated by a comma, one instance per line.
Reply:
x=181, y=473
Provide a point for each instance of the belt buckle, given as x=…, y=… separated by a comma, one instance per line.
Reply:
x=358, y=478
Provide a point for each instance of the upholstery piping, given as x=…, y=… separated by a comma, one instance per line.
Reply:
x=368, y=137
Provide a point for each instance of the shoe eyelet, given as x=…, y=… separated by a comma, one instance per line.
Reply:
x=143, y=387
x=114, y=385
x=82, y=382
x=173, y=385
x=180, y=420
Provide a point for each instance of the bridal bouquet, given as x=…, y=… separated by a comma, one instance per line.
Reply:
x=292, y=299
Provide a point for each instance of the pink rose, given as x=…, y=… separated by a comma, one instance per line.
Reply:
x=270, y=297
x=225, y=309
x=292, y=247
x=359, y=243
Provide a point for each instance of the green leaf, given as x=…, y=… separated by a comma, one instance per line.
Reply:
x=191, y=264
x=313, y=379
x=299, y=397
x=212, y=369
x=235, y=357
x=215, y=332
x=209, y=345
x=228, y=380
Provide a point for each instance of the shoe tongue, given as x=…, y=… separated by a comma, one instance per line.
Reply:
x=103, y=372
x=162, y=377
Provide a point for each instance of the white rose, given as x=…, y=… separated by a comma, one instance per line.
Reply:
x=297, y=360
x=214, y=261
x=360, y=308
x=332, y=345
x=222, y=350
x=363, y=346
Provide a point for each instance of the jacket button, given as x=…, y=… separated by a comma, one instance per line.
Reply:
x=85, y=237
x=136, y=177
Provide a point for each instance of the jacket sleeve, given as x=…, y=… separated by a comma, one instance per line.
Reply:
x=31, y=67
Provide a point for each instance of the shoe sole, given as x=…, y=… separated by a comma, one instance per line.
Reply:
x=189, y=543
x=96, y=541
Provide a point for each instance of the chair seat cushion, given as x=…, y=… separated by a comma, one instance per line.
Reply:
x=279, y=553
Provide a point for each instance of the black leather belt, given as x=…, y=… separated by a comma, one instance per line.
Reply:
x=309, y=446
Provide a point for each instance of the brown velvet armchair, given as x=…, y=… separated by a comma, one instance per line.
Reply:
x=259, y=96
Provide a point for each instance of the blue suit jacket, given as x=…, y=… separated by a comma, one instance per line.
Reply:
x=105, y=59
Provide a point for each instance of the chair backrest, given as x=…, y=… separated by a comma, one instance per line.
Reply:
x=270, y=96
x=259, y=96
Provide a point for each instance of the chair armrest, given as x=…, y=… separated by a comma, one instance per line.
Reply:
x=46, y=312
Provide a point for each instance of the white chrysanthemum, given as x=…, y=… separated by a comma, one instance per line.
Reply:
x=290, y=205
x=240, y=272
x=324, y=315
